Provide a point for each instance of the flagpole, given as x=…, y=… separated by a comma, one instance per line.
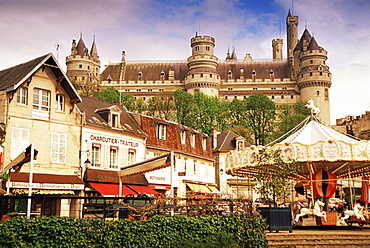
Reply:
x=29, y=201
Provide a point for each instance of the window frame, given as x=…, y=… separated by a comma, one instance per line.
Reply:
x=113, y=157
x=162, y=131
x=22, y=96
x=58, y=148
x=39, y=104
x=96, y=155
x=60, y=102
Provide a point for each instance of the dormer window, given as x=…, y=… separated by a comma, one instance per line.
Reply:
x=140, y=75
x=111, y=116
x=183, y=137
x=162, y=131
x=192, y=140
x=162, y=75
x=240, y=144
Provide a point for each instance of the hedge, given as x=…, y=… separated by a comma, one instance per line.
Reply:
x=157, y=231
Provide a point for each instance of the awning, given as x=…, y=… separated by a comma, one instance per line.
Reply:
x=143, y=190
x=198, y=188
x=213, y=189
x=43, y=192
x=147, y=165
x=18, y=162
x=159, y=186
x=107, y=189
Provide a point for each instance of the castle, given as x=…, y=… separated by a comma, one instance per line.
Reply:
x=303, y=76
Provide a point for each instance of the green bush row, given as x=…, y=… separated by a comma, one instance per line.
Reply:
x=157, y=231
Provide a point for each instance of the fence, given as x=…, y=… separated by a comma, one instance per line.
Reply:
x=112, y=208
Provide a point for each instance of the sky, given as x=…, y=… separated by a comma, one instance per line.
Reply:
x=162, y=29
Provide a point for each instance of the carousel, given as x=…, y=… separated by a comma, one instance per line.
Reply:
x=326, y=158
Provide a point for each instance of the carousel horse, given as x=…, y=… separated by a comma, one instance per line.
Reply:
x=316, y=211
x=314, y=109
x=358, y=212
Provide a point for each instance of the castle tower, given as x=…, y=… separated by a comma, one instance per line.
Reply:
x=83, y=66
x=202, y=75
x=277, y=49
x=292, y=33
x=314, y=77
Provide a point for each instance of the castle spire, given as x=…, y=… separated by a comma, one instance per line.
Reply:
x=94, y=50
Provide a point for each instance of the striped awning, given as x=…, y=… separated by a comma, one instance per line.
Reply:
x=199, y=188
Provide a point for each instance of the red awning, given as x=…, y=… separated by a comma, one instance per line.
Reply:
x=143, y=190
x=107, y=189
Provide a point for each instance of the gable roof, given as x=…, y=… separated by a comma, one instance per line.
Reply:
x=89, y=107
x=12, y=78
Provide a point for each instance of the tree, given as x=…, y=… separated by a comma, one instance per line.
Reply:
x=162, y=106
x=274, y=175
x=288, y=117
x=109, y=95
x=129, y=102
x=260, y=115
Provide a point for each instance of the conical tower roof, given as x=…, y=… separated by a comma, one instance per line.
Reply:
x=94, y=50
x=81, y=47
x=313, y=45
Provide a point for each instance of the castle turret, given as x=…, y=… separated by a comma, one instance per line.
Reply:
x=202, y=75
x=83, y=67
x=292, y=33
x=277, y=49
x=313, y=77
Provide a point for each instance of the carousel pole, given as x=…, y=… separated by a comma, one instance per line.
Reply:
x=350, y=189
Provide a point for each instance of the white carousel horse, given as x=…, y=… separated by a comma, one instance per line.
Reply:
x=316, y=211
x=358, y=212
x=311, y=105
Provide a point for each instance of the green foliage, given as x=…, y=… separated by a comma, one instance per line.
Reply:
x=109, y=95
x=260, y=115
x=274, y=174
x=157, y=231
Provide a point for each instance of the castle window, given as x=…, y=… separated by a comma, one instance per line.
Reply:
x=291, y=97
x=160, y=89
x=88, y=67
x=201, y=75
x=326, y=94
x=22, y=96
x=284, y=88
x=317, y=93
x=245, y=97
x=230, y=89
x=255, y=88
x=80, y=66
x=310, y=73
x=311, y=61
x=320, y=73
x=150, y=90
x=235, y=97
x=197, y=48
x=282, y=97
x=207, y=48
x=225, y=97
x=272, y=97
x=273, y=88
x=192, y=75
x=144, y=98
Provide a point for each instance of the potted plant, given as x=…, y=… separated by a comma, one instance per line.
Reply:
x=274, y=182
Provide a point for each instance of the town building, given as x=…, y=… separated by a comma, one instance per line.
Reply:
x=110, y=139
x=302, y=76
x=231, y=186
x=38, y=113
x=191, y=170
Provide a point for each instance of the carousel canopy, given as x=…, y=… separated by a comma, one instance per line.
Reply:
x=313, y=146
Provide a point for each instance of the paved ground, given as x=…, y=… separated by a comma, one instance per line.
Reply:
x=337, y=230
